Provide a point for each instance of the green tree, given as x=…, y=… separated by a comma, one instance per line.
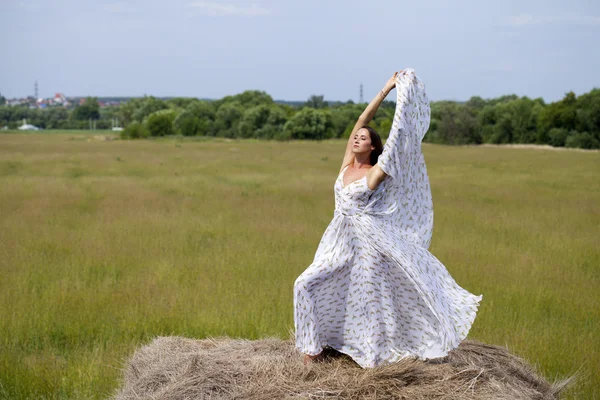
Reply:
x=343, y=117
x=246, y=99
x=90, y=109
x=19, y=113
x=273, y=129
x=135, y=130
x=147, y=106
x=202, y=110
x=476, y=103
x=251, y=98
x=502, y=99
x=384, y=128
x=511, y=121
x=127, y=109
x=56, y=117
x=562, y=114
x=316, y=102
x=227, y=119
x=196, y=119
x=588, y=113
x=517, y=121
x=180, y=102
x=453, y=123
x=5, y=116
x=308, y=123
x=160, y=123
x=187, y=124
x=388, y=105
x=254, y=119
x=557, y=137
x=582, y=140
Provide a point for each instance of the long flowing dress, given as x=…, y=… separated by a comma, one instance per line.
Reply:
x=373, y=290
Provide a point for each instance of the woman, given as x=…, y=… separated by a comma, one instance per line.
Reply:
x=373, y=291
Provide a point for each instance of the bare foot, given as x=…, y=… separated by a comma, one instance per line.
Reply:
x=310, y=359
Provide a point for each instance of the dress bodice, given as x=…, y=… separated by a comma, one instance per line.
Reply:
x=353, y=198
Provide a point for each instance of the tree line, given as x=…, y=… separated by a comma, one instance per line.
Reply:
x=572, y=121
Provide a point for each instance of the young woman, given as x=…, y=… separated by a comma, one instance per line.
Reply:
x=373, y=290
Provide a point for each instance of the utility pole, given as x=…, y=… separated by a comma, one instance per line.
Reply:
x=360, y=97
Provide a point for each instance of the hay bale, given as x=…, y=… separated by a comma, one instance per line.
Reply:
x=225, y=368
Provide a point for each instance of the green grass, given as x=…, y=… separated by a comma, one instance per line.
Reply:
x=106, y=244
x=62, y=132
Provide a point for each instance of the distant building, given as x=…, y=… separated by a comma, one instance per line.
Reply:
x=28, y=127
x=60, y=98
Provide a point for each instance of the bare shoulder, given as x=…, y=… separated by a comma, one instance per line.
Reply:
x=346, y=162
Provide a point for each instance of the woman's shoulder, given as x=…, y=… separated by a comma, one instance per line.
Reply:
x=344, y=167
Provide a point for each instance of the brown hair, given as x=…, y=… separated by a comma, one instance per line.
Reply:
x=375, y=141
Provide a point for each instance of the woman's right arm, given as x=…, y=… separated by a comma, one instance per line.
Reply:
x=366, y=117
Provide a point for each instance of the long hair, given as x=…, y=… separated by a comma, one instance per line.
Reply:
x=375, y=141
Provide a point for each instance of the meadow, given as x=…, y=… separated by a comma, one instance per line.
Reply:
x=107, y=244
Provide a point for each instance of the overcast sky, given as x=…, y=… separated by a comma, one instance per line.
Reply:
x=295, y=48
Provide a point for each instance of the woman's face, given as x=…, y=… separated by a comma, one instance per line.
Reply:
x=362, y=142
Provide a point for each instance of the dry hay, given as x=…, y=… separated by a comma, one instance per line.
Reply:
x=224, y=368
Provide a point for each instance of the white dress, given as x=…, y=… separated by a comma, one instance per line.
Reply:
x=373, y=290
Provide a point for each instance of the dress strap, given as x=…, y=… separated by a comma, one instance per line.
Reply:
x=344, y=170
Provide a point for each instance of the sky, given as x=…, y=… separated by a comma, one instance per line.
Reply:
x=293, y=49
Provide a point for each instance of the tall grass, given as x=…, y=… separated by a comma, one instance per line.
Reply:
x=106, y=244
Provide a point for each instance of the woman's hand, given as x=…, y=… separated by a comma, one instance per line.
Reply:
x=391, y=83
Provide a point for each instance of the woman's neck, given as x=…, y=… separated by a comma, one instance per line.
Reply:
x=361, y=161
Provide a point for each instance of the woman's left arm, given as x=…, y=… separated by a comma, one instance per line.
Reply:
x=375, y=176
x=366, y=117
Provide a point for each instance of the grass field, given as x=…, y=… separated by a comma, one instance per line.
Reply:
x=106, y=244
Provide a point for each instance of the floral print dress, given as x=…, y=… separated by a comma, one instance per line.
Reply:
x=373, y=290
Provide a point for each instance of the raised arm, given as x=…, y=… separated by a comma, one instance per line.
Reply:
x=366, y=117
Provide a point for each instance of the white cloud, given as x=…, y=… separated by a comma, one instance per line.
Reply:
x=528, y=19
x=118, y=8
x=222, y=10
